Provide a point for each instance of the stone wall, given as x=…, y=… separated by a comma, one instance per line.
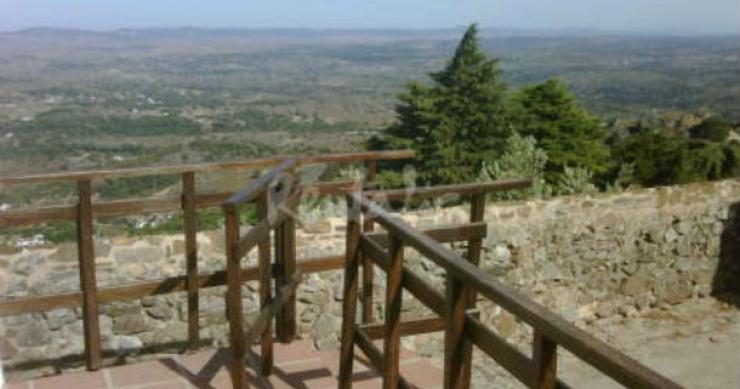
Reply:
x=638, y=249
x=587, y=257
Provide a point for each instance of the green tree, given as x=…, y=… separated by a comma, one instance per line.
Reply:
x=654, y=158
x=567, y=133
x=651, y=157
x=712, y=129
x=454, y=123
x=713, y=154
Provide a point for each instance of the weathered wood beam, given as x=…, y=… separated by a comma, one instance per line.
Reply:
x=205, y=167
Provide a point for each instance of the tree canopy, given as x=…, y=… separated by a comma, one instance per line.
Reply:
x=464, y=125
x=567, y=133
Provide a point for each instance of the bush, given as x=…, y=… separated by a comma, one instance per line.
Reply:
x=522, y=159
x=712, y=129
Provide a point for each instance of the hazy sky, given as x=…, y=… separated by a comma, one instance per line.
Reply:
x=703, y=16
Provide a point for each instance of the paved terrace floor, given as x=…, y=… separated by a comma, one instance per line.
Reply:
x=297, y=365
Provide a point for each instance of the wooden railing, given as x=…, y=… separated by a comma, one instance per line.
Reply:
x=84, y=213
x=455, y=309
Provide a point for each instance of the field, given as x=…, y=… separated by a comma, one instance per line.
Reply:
x=80, y=100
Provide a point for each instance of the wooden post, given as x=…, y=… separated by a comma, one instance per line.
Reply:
x=88, y=280
x=545, y=357
x=456, y=343
x=285, y=260
x=265, y=284
x=367, y=263
x=349, y=304
x=477, y=214
x=235, y=315
x=393, y=300
x=190, y=228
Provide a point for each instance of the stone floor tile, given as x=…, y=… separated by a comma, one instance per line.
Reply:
x=311, y=374
x=77, y=380
x=422, y=374
x=145, y=372
x=297, y=350
x=205, y=364
x=174, y=384
x=297, y=365
x=17, y=385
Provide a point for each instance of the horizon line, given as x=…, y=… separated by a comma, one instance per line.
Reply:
x=582, y=30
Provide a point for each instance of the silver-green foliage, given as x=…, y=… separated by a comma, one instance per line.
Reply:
x=521, y=159
x=575, y=180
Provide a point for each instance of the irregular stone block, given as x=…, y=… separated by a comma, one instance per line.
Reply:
x=28, y=263
x=138, y=254
x=129, y=324
x=7, y=350
x=125, y=343
x=33, y=334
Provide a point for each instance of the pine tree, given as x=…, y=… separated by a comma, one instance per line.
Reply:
x=567, y=133
x=457, y=121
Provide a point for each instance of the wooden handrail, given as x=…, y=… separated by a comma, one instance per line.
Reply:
x=30, y=216
x=28, y=304
x=205, y=167
x=593, y=351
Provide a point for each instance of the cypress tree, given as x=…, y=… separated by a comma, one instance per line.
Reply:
x=455, y=122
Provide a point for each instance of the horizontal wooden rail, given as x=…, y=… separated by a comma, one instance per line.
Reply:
x=205, y=167
x=38, y=215
x=117, y=208
x=30, y=304
x=593, y=351
x=408, y=327
x=441, y=190
x=420, y=288
x=443, y=234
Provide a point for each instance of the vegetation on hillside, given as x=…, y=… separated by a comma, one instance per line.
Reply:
x=622, y=110
x=466, y=124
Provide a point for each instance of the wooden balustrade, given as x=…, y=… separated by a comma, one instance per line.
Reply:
x=86, y=211
x=456, y=309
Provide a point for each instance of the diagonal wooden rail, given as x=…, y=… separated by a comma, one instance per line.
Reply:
x=461, y=326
